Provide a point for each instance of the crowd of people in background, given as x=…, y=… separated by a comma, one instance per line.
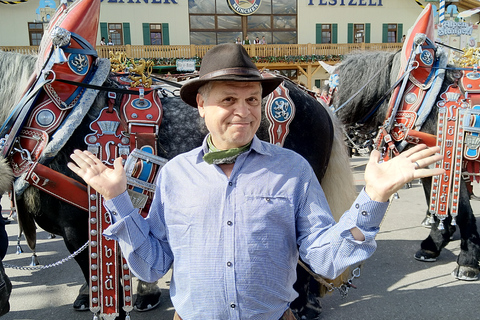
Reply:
x=247, y=40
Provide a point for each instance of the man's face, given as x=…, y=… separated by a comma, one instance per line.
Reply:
x=232, y=112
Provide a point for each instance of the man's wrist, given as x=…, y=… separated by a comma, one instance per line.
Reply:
x=375, y=196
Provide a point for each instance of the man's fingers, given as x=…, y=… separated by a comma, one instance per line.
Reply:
x=426, y=161
x=423, y=173
x=72, y=166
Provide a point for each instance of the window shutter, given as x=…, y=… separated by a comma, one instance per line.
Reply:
x=165, y=34
x=399, y=32
x=385, y=33
x=367, y=32
x=146, y=34
x=104, y=30
x=334, y=33
x=350, y=33
x=126, y=33
x=318, y=33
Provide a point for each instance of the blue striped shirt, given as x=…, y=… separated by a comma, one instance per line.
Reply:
x=234, y=242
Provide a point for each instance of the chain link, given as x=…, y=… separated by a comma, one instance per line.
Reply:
x=343, y=289
x=55, y=264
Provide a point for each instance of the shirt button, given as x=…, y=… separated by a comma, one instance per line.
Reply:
x=114, y=213
x=229, y=264
x=230, y=183
x=364, y=213
x=357, y=205
x=229, y=223
x=267, y=199
x=232, y=305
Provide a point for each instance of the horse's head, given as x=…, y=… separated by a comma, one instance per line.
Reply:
x=364, y=78
x=360, y=102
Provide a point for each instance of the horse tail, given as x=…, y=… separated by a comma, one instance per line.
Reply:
x=339, y=189
x=337, y=182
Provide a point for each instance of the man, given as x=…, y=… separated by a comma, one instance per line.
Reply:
x=233, y=215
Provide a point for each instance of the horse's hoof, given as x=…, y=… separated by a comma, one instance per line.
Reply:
x=147, y=302
x=81, y=303
x=426, y=255
x=466, y=273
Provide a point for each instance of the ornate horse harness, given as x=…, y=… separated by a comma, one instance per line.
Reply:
x=458, y=125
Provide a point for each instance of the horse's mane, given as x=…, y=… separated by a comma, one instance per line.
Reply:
x=355, y=71
x=16, y=70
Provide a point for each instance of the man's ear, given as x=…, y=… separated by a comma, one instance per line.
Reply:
x=200, y=104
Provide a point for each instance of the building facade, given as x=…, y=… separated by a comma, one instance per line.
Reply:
x=184, y=22
x=181, y=22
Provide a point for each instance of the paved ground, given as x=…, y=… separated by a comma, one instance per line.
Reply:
x=392, y=285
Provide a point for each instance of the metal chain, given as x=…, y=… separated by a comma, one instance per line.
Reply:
x=343, y=289
x=55, y=264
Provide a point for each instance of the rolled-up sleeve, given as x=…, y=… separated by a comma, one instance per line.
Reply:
x=142, y=240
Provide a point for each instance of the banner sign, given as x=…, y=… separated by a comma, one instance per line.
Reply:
x=186, y=65
x=450, y=27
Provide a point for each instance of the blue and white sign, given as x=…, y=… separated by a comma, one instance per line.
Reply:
x=186, y=65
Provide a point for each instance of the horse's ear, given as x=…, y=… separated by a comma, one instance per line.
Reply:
x=329, y=68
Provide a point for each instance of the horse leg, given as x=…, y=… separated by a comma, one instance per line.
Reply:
x=148, y=296
x=438, y=238
x=60, y=218
x=75, y=237
x=307, y=304
x=19, y=238
x=468, y=259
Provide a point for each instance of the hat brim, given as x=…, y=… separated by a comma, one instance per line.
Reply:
x=188, y=92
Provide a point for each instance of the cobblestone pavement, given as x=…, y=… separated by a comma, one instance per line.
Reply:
x=392, y=285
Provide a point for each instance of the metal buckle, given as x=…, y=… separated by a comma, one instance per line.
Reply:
x=138, y=198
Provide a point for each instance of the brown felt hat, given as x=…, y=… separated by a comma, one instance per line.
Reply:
x=227, y=62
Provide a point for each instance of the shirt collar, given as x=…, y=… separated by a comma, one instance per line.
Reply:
x=256, y=146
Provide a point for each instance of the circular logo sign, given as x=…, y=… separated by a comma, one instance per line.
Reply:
x=244, y=7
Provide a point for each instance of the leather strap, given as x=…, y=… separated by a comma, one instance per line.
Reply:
x=58, y=185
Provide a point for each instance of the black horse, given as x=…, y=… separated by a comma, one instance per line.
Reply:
x=313, y=133
x=379, y=71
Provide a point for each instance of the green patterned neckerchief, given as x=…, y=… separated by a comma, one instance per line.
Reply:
x=215, y=156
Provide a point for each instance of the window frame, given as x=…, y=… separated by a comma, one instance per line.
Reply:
x=35, y=31
x=112, y=31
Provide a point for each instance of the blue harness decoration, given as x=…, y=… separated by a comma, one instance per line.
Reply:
x=280, y=111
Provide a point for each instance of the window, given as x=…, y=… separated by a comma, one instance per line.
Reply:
x=115, y=33
x=326, y=33
x=213, y=22
x=156, y=34
x=35, y=32
x=392, y=33
x=359, y=33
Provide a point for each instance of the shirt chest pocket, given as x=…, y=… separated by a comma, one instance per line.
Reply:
x=269, y=210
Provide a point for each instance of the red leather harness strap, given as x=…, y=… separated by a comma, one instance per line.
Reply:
x=58, y=185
